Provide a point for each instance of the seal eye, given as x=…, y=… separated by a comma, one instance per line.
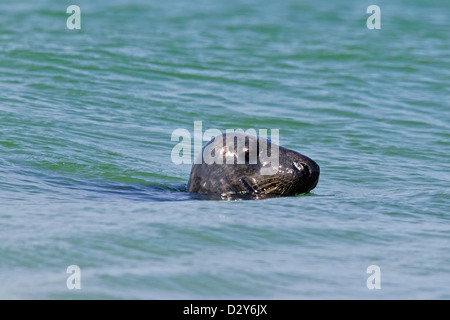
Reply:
x=302, y=167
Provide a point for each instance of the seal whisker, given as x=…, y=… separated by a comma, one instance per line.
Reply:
x=268, y=186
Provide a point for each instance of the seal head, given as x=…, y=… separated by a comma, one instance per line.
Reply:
x=241, y=164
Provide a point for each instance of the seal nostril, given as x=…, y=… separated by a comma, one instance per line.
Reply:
x=307, y=169
x=298, y=165
x=303, y=167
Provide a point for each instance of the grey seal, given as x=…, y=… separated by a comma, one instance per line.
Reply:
x=292, y=173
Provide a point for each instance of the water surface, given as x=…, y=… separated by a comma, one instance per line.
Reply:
x=86, y=178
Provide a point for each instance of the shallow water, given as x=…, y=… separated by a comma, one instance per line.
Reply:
x=86, y=176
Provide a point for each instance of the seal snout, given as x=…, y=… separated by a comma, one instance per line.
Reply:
x=308, y=174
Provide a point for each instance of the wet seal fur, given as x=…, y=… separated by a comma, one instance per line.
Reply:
x=296, y=173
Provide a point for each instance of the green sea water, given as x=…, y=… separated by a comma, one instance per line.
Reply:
x=86, y=176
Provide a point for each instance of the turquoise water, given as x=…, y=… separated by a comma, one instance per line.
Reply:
x=86, y=176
